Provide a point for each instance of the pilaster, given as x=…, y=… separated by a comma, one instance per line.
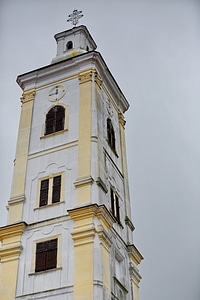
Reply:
x=122, y=123
x=10, y=237
x=84, y=180
x=90, y=222
x=15, y=204
x=135, y=259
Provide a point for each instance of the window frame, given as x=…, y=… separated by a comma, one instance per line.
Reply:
x=69, y=45
x=114, y=204
x=46, y=255
x=58, y=257
x=111, y=135
x=66, y=120
x=54, y=120
x=50, y=179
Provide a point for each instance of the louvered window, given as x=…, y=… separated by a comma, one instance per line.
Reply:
x=44, y=188
x=115, y=205
x=46, y=255
x=50, y=190
x=110, y=134
x=56, y=189
x=55, y=119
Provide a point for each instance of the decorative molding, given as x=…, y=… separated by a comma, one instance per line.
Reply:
x=83, y=236
x=121, y=120
x=85, y=230
x=102, y=185
x=129, y=223
x=9, y=253
x=83, y=212
x=85, y=76
x=28, y=96
x=105, y=240
x=83, y=181
x=97, y=79
x=134, y=254
x=53, y=149
x=16, y=200
x=59, y=291
x=53, y=70
x=10, y=236
x=105, y=216
x=134, y=274
x=52, y=221
x=12, y=230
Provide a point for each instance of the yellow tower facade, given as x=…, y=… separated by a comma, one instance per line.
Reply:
x=69, y=233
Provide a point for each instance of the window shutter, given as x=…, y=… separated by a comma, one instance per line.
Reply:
x=40, y=257
x=51, y=259
x=110, y=134
x=50, y=121
x=44, y=188
x=115, y=205
x=46, y=255
x=55, y=119
x=60, y=118
x=112, y=201
x=56, y=189
x=117, y=208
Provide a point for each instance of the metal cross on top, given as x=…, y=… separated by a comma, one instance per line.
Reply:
x=75, y=16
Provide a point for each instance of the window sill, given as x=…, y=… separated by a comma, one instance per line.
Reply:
x=45, y=271
x=53, y=134
x=48, y=205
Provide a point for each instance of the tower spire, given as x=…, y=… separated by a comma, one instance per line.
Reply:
x=75, y=16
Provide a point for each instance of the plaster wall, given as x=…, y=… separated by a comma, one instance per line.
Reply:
x=40, y=142
x=29, y=282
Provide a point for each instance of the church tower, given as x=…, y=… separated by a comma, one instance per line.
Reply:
x=69, y=230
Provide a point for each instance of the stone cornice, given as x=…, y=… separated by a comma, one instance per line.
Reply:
x=134, y=254
x=89, y=60
x=134, y=273
x=10, y=252
x=97, y=79
x=83, y=181
x=28, y=96
x=12, y=230
x=17, y=200
x=85, y=228
x=10, y=236
x=105, y=216
x=100, y=182
x=92, y=210
x=129, y=223
x=85, y=76
x=121, y=120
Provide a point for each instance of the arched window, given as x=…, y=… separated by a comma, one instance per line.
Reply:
x=55, y=119
x=69, y=45
x=110, y=134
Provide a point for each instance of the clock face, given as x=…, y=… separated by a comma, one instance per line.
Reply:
x=57, y=92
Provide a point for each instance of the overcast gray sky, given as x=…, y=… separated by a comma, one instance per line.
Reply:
x=152, y=49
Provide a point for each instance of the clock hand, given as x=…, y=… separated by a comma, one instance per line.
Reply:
x=55, y=93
